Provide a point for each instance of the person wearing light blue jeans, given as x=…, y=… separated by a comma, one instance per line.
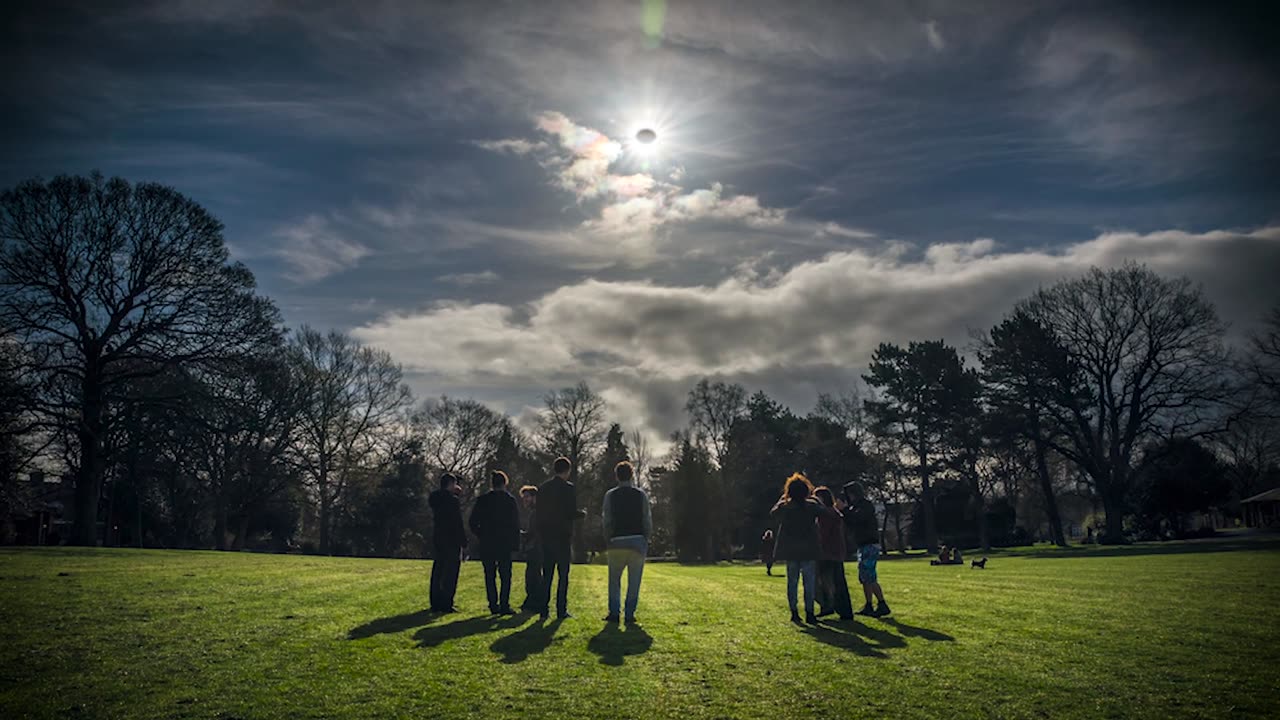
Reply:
x=628, y=522
x=796, y=515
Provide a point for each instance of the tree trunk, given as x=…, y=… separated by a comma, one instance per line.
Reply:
x=89, y=476
x=897, y=527
x=926, y=497
x=1046, y=489
x=323, y=519
x=220, y=527
x=1114, y=506
x=984, y=531
x=241, y=531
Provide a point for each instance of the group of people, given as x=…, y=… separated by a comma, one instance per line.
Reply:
x=810, y=538
x=544, y=531
x=948, y=556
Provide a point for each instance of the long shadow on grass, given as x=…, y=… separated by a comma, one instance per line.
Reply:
x=613, y=644
x=392, y=624
x=518, y=646
x=855, y=637
x=912, y=631
x=434, y=635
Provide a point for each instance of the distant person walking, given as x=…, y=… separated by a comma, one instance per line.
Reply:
x=766, y=551
x=557, y=511
x=495, y=520
x=449, y=538
x=628, y=522
x=860, y=516
x=533, y=601
x=833, y=587
x=796, y=514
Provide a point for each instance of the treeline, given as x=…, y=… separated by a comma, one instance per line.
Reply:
x=140, y=364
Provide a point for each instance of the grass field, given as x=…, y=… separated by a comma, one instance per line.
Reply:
x=1185, y=630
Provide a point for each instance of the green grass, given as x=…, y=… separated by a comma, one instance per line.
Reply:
x=1180, y=630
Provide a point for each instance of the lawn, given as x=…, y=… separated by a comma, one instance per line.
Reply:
x=1177, y=630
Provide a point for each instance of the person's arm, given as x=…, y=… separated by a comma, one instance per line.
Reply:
x=648, y=516
x=606, y=513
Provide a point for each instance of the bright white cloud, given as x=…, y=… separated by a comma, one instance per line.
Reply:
x=817, y=323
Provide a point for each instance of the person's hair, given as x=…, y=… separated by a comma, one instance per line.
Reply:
x=447, y=479
x=531, y=490
x=824, y=495
x=499, y=479
x=561, y=465
x=854, y=489
x=624, y=471
x=798, y=487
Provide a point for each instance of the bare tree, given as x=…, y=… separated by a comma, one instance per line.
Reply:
x=460, y=437
x=1264, y=362
x=713, y=408
x=1149, y=350
x=573, y=425
x=845, y=409
x=104, y=281
x=641, y=455
x=352, y=395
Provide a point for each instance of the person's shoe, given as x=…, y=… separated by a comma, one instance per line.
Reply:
x=866, y=610
x=795, y=617
x=811, y=618
x=506, y=611
x=451, y=611
x=631, y=620
x=544, y=615
x=495, y=611
x=882, y=609
x=846, y=618
x=611, y=618
x=563, y=615
x=825, y=613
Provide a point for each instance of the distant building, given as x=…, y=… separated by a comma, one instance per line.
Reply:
x=1262, y=510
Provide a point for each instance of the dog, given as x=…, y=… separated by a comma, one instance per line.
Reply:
x=980, y=564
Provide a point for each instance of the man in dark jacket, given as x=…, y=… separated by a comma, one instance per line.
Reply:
x=557, y=511
x=449, y=538
x=496, y=521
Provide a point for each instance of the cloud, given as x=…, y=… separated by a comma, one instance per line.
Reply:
x=514, y=146
x=794, y=333
x=313, y=250
x=932, y=32
x=471, y=278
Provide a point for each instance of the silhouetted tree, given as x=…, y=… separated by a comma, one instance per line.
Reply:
x=572, y=425
x=1151, y=354
x=351, y=395
x=1024, y=368
x=923, y=389
x=103, y=280
x=713, y=408
x=1179, y=477
x=460, y=437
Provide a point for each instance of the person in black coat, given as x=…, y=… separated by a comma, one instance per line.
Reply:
x=557, y=511
x=449, y=538
x=496, y=521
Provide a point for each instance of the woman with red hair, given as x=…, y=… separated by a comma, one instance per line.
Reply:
x=796, y=515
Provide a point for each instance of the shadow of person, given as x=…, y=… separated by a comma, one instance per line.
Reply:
x=613, y=644
x=842, y=639
x=434, y=635
x=518, y=646
x=392, y=624
x=910, y=631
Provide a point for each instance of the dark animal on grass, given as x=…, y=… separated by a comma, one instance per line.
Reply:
x=980, y=564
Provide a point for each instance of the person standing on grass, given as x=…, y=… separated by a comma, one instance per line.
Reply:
x=449, y=538
x=495, y=519
x=532, y=550
x=766, y=551
x=557, y=511
x=833, y=587
x=860, y=516
x=796, y=515
x=628, y=522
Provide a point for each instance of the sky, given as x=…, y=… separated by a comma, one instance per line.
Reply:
x=460, y=184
